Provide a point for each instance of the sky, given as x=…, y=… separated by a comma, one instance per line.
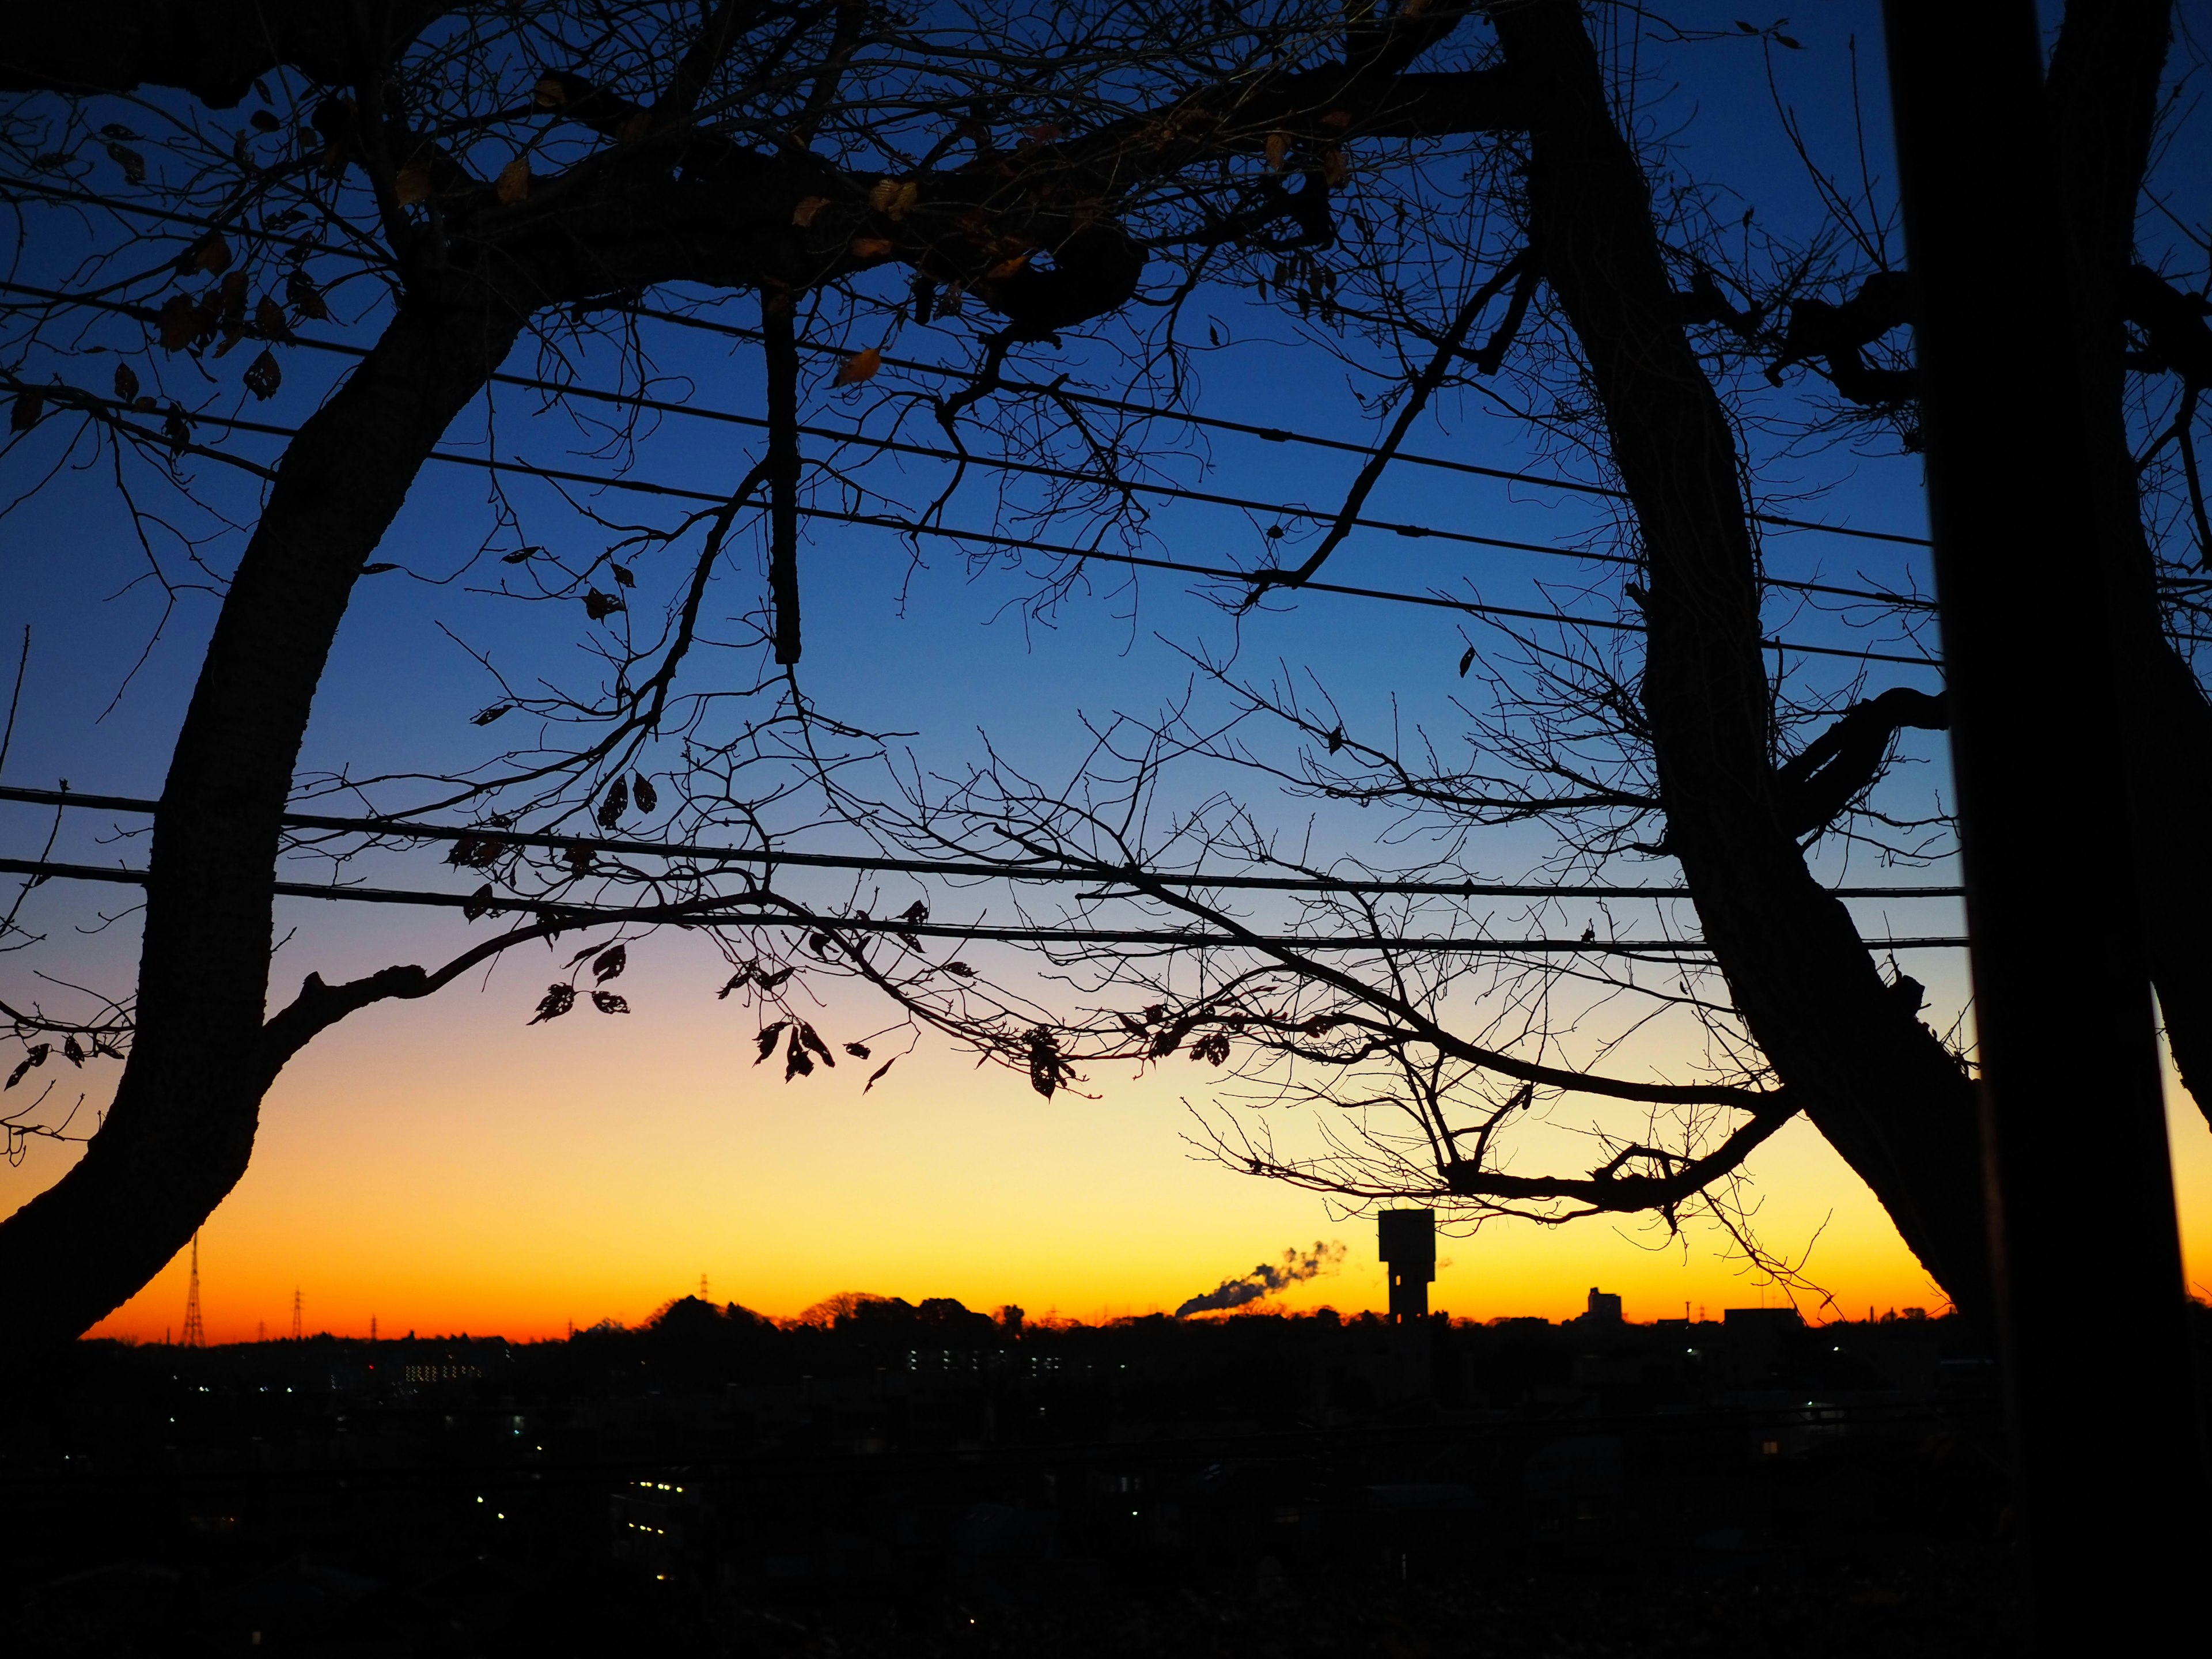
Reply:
x=441, y=1166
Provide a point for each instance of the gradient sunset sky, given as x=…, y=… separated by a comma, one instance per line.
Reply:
x=441, y=1166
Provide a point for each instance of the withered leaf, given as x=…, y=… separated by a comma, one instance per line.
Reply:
x=411, y=185
x=914, y=915
x=474, y=852
x=486, y=715
x=961, y=968
x=877, y=1074
x=177, y=428
x=610, y=963
x=306, y=299
x=767, y=1038
x=622, y=576
x=643, y=791
x=557, y=1001
x=1466, y=661
x=520, y=555
x=72, y=1051
x=127, y=384
x=636, y=127
x=179, y=320
x=30, y=403
x=269, y=319
x=807, y=1034
x=1335, y=169
x=599, y=606
x=377, y=569
x=860, y=366
x=802, y=214
x=769, y=982
x=1048, y=1069
x=549, y=94
x=263, y=121
x=512, y=184
x=263, y=377
x=893, y=198
x=735, y=981
x=608, y=1002
x=480, y=902
x=614, y=804
x=117, y=130
x=1336, y=740
x=1006, y=268
x=210, y=254
x=132, y=163
x=1278, y=146
x=858, y=1050
x=797, y=1062
x=870, y=247
x=35, y=1056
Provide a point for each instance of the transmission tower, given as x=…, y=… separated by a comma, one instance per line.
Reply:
x=295, y=1313
x=703, y=1287
x=195, y=1337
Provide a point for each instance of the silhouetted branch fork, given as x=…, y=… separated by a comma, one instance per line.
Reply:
x=1606, y=1189
x=319, y=1005
x=1814, y=786
x=1416, y=401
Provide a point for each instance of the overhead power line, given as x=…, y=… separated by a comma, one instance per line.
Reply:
x=1277, y=510
x=998, y=539
x=722, y=913
x=413, y=830
x=1268, y=434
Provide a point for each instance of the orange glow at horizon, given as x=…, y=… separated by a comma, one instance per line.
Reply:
x=439, y=1168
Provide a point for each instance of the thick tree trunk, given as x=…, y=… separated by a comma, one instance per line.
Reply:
x=2103, y=88
x=182, y=1126
x=1876, y=1081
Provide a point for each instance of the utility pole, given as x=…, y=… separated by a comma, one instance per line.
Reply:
x=2074, y=1126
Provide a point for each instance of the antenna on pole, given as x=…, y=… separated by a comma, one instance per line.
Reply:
x=195, y=1336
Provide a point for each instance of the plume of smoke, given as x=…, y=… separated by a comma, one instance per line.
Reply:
x=1266, y=1279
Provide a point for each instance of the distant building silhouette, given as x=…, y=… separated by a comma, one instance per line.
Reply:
x=1603, y=1308
x=1409, y=1241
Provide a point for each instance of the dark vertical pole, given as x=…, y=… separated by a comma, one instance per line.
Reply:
x=778, y=338
x=2082, y=1236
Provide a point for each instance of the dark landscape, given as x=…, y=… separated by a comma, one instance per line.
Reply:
x=929, y=1480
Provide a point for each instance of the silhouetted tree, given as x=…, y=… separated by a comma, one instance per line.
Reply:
x=548, y=174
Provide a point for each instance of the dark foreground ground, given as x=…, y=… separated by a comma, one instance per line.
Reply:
x=928, y=1481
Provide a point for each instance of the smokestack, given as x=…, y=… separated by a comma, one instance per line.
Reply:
x=1408, y=1241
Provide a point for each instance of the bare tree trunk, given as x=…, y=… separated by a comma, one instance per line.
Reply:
x=1876, y=1081
x=183, y=1122
x=2103, y=88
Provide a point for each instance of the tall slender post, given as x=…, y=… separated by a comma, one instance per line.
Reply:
x=2085, y=1254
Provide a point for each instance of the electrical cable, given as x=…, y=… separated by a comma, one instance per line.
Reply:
x=412, y=831
x=714, y=913
x=1272, y=434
